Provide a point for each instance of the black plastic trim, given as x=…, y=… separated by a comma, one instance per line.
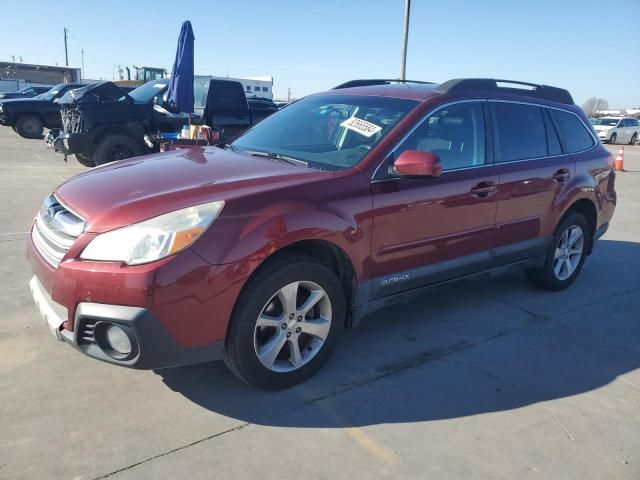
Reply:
x=490, y=85
x=154, y=347
x=402, y=287
x=377, y=81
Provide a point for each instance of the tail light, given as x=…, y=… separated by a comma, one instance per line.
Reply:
x=611, y=160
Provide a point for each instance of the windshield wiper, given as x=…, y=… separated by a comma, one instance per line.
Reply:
x=277, y=156
x=228, y=146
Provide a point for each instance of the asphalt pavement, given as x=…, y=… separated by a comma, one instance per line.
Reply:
x=485, y=379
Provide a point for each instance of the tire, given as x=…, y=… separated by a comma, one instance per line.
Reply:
x=29, y=126
x=260, y=319
x=84, y=160
x=549, y=276
x=115, y=147
x=634, y=137
x=613, y=138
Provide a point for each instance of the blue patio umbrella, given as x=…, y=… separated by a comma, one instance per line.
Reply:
x=181, y=83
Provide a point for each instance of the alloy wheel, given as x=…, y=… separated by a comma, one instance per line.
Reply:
x=292, y=326
x=568, y=252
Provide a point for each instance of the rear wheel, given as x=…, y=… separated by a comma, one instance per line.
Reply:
x=613, y=138
x=115, y=147
x=566, y=255
x=285, y=324
x=85, y=160
x=634, y=137
x=29, y=126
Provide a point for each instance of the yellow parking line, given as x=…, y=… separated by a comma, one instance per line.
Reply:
x=359, y=436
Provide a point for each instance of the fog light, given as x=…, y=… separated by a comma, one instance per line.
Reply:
x=118, y=339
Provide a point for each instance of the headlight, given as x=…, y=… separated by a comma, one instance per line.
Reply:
x=153, y=239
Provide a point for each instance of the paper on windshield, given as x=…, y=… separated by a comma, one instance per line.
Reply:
x=363, y=127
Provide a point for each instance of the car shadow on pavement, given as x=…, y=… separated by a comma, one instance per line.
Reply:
x=469, y=348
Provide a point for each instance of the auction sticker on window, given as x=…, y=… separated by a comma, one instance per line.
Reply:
x=363, y=127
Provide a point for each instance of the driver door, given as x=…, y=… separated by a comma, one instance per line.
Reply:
x=426, y=230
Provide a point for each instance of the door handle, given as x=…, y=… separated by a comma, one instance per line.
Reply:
x=484, y=189
x=562, y=175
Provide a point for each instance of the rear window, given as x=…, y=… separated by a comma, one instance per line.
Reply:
x=521, y=132
x=574, y=134
x=228, y=95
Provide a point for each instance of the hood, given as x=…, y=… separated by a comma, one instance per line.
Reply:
x=102, y=92
x=602, y=128
x=23, y=102
x=130, y=191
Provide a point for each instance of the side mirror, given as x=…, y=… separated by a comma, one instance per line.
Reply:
x=414, y=163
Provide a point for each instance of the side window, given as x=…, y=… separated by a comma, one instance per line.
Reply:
x=574, y=134
x=520, y=131
x=455, y=133
x=634, y=123
x=553, y=142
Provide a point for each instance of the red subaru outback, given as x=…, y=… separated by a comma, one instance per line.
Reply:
x=344, y=201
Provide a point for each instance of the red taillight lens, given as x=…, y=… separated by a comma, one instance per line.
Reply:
x=611, y=160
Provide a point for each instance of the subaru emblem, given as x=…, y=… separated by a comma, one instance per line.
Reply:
x=49, y=214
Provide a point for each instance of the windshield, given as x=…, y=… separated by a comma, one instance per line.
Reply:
x=611, y=122
x=327, y=131
x=147, y=92
x=51, y=94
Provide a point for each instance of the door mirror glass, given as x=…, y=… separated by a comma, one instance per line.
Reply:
x=414, y=163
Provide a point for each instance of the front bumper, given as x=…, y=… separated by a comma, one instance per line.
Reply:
x=153, y=346
x=70, y=143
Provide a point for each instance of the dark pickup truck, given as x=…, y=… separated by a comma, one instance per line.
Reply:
x=100, y=125
x=27, y=92
x=29, y=116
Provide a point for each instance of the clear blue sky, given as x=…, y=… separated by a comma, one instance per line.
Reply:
x=591, y=47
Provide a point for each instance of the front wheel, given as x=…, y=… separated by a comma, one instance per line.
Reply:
x=115, y=147
x=634, y=137
x=29, y=126
x=613, y=138
x=566, y=255
x=285, y=324
x=85, y=160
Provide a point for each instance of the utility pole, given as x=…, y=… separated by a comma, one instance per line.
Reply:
x=66, y=51
x=288, y=95
x=405, y=39
x=82, y=69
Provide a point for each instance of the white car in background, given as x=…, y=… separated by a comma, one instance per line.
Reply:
x=617, y=129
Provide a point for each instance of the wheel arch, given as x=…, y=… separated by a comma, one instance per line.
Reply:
x=327, y=253
x=587, y=208
x=133, y=130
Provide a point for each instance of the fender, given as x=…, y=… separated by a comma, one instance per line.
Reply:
x=250, y=236
x=135, y=130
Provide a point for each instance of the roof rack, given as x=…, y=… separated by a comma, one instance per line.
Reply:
x=377, y=81
x=544, y=92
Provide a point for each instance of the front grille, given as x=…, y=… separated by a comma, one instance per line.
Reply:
x=55, y=230
x=71, y=119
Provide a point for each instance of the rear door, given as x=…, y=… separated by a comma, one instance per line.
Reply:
x=534, y=173
x=635, y=130
x=427, y=230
